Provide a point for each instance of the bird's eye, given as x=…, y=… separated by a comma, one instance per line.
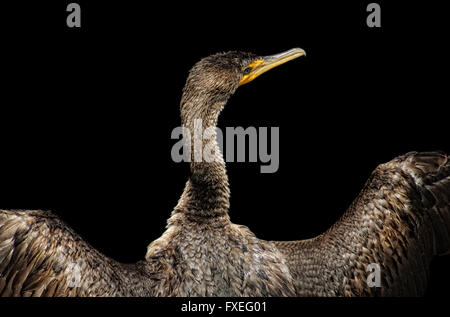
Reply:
x=247, y=70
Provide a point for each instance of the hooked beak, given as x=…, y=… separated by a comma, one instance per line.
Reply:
x=266, y=63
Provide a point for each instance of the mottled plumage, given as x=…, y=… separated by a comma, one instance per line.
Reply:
x=400, y=220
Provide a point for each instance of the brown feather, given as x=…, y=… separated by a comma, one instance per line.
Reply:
x=409, y=199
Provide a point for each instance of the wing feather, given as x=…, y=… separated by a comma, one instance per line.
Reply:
x=41, y=256
x=400, y=220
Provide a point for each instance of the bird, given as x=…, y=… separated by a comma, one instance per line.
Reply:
x=397, y=224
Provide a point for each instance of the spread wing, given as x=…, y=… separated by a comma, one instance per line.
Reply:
x=41, y=256
x=399, y=221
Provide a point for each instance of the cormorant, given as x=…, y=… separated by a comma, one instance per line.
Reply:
x=400, y=220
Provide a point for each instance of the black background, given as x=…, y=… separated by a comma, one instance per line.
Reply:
x=86, y=114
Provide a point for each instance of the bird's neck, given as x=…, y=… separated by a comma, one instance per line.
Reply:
x=207, y=192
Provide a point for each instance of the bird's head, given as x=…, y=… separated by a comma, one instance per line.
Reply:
x=215, y=78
